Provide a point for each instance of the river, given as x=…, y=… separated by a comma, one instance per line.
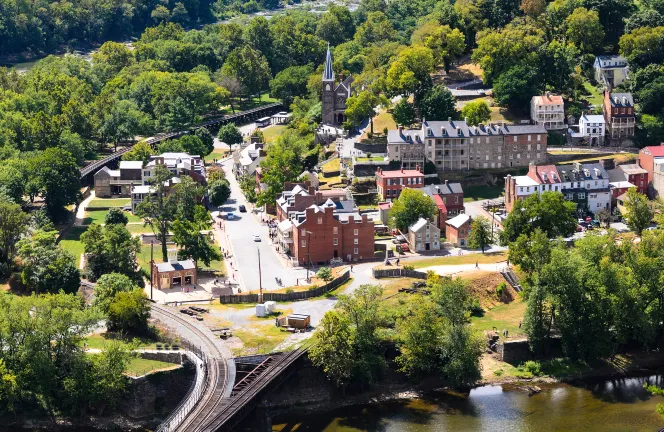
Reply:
x=613, y=405
x=317, y=6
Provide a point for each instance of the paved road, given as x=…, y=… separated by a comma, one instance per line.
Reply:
x=240, y=232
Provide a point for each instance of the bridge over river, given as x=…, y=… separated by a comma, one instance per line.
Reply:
x=240, y=117
x=215, y=401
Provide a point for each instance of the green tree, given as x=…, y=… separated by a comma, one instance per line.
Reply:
x=57, y=178
x=291, y=82
x=111, y=249
x=157, y=210
x=584, y=29
x=141, y=151
x=411, y=205
x=187, y=235
x=206, y=137
x=249, y=67
x=419, y=335
x=107, y=286
x=533, y=8
x=447, y=44
x=219, y=192
x=476, y=112
x=46, y=266
x=480, y=233
x=334, y=353
x=361, y=107
x=643, y=46
x=129, y=311
x=411, y=68
x=437, y=104
x=403, y=113
x=530, y=252
x=516, y=87
x=637, y=211
x=284, y=162
x=452, y=297
x=336, y=25
x=548, y=211
x=13, y=225
x=324, y=274
x=230, y=134
x=538, y=319
x=116, y=216
x=376, y=29
x=124, y=122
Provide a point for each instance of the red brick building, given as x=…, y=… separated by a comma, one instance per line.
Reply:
x=647, y=157
x=635, y=175
x=320, y=234
x=451, y=195
x=619, y=116
x=297, y=197
x=390, y=183
x=457, y=230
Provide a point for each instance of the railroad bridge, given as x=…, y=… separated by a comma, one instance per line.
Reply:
x=88, y=171
x=225, y=390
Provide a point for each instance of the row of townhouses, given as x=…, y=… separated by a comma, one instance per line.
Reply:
x=453, y=145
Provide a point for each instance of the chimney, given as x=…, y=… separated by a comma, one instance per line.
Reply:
x=465, y=119
x=446, y=182
x=449, y=119
x=402, y=169
x=172, y=255
x=417, y=168
x=601, y=162
x=437, y=190
x=400, y=130
x=532, y=169
x=341, y=77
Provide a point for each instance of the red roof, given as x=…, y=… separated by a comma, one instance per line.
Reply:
x=399, y=174
x=549, y=100
x=384, y=205
x=655, y=150
x=439, y=202
x=544, y=174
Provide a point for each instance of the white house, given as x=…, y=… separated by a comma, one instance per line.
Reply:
x=548, y=110
x=611, y=70
x=593, y=127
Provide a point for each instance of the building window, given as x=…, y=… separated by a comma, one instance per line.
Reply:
x=320, y=221
x=304, y=232
x=356, y=251
x=356, y=231
x=388, y=192
x=529, y=138
x=355, y=241
x=518, y=155
x=514, y=138
x=582, y=195
x=335, y=230
x=335, y=241
x=539, y=138
x=304, y=243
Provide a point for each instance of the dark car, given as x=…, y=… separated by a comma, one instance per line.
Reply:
x=243, y=209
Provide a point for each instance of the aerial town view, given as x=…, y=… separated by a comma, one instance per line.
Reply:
x=332, y=216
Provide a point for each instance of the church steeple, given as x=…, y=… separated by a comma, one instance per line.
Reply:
x=328, y=73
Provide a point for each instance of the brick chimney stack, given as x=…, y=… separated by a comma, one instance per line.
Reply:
x=417, y=168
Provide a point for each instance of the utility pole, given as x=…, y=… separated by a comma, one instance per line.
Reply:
x=151, y=265
x=260, y=282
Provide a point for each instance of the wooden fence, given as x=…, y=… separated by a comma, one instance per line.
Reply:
x=398, y=272
x=292, y=296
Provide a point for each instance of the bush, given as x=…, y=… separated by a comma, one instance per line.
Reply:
x=312, y=287
x=500, y=288
x=498, y=372
x=476, y=309
x=408, y=267
x=528, y=369
x=289, y=290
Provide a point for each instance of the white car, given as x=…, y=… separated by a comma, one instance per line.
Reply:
x=230, y=216
x=257, y=238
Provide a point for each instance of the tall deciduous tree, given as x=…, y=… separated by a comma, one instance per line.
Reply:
x=111, y=249
x=480, y=233
x=124, y=122
x=411, y=205
x=230, y=134
x=139, y=152
x=548, y=211
x=219, y=192
x=129, y=311
x=13, y=224
x=57, y=178
x=249, y=67
x=637, y=211
x=157, y=209
x=437, y=104
x=46, y=266
x=403, y=113
x=476, y=112
x=108, y=286
x=584, y=29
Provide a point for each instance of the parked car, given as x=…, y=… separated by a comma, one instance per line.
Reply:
x=243, y=209
x=230, y=216
x=403, y=247
x=399, y=239
x=257, y=238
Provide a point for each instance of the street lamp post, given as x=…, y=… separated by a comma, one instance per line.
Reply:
x=260, y=281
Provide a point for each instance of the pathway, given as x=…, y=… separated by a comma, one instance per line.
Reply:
x=80, y=210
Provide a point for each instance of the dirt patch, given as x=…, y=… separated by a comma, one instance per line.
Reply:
x=483, y=285
x=465, y=70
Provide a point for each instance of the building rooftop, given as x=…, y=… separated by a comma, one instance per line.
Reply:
x=544, y=174
x=421, y=223
x=443, y=189
x=458, y=221
x=399, y=173
x=623, y=184
x=654, y=150
x=384, y=205
x=621, y=99
x=594, y=118
x=173, y=266
x=525, y=181
x=548, y=99
x=142, y=189
x=131, y=165
x=630, y=169
x=611, y=61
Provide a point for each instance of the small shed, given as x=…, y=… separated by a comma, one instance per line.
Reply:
x=299, y=321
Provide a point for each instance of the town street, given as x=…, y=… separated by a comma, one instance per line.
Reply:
x=240, y=232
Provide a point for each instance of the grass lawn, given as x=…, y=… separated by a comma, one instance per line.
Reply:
x=216, y=154
x=593, y=96
x=371, y=159
x=273, y=132
x=503, y=316
x=108, y=202
x=476, y=193
x=140, y=366
x=72, y=241
x=138, y=228
x=99, y=341
x=333, y=165
x=488, y=258
x=382, y=121
x=98, y=217
x=259, y=338
x=246, y=104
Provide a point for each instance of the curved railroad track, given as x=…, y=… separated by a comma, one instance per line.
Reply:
x=220, y=377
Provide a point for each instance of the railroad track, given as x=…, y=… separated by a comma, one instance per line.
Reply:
x=217, y=383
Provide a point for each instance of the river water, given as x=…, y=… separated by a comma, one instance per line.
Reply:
x=614, y=405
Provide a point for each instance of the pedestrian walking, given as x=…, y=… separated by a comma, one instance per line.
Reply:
x=351, y=268
x=477, y=264
x=519, y=323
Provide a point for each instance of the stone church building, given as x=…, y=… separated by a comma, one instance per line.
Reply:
x=334, y=94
